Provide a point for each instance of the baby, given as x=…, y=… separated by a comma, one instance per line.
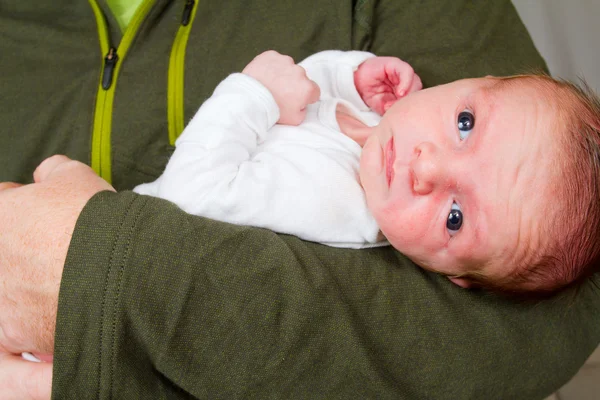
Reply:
x=492, y=182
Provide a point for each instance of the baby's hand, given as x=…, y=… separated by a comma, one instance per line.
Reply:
x=381, y=81
x=287, y=82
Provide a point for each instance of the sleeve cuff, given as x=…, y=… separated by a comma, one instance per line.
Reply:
x=89, y=294
x=254, y=91
x=345, y=78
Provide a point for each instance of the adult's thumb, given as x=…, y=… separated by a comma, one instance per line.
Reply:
x=63, y=169
x=48, y=166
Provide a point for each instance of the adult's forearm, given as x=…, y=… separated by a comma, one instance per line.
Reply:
x=157, y=303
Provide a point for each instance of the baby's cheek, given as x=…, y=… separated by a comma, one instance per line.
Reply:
x=371, y=160
x=402, y=229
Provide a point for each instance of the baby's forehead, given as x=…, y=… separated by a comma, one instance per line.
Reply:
x=504, y=92
x=543, y=88
x=551, y=195
x=539, y=100
x=532, y=162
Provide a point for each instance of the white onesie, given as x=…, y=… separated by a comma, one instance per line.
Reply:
x=233, y=163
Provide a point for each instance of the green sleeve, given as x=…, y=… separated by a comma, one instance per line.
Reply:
x=155, y=303
x=245, y=313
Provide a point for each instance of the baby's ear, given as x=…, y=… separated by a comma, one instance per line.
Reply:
x=462, y=282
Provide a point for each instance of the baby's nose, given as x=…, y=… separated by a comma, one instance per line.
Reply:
x=428, y=170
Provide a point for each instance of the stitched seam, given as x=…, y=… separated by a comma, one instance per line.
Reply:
x=119, y=278
x=103, y=303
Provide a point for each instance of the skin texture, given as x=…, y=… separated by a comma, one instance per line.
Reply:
x=489, y=173
x=60, y=190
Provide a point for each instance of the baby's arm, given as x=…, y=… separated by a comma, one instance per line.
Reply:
x=212, y=170
x=333, y=71
x=287, y=82
x=363, y=79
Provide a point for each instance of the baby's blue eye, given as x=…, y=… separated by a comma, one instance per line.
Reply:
x=455, y=219
x=466, y=122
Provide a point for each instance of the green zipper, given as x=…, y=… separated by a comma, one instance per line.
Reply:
x=175, y=107
x=101, y=149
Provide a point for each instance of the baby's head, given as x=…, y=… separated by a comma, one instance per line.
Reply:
x=494, y=182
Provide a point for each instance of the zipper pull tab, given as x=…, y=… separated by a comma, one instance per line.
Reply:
x=187, y=12
x=109, y=67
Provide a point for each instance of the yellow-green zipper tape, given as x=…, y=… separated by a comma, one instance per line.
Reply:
x=175, y=109
x=101, y=148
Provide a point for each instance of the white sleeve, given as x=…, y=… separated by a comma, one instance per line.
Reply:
x=215, y=146
x=233, y=163
x=333, y=71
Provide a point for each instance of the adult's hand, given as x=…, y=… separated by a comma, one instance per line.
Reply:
x=37, y=222
x=24, y=380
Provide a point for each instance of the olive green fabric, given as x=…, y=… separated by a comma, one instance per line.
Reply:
x=156, y=303
x=245, y=313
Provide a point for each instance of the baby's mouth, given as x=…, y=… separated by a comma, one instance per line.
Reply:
x=390, y=156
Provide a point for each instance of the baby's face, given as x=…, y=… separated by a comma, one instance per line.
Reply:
x=459, y=176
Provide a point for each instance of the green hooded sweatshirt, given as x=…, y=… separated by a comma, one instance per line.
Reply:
x=155, y=303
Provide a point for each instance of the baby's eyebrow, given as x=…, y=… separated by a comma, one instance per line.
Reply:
x=474, y=215
x=477, y=234
x=482, y=102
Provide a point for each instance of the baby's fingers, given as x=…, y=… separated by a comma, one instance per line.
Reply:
x=313, y=92
x=402, y=75
x=416, y=84
x=292, y=107
x=405, y=75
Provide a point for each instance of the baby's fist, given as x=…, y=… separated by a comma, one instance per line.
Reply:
x=381, y=81
x=287, y=82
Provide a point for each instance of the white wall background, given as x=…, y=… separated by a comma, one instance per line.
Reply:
x=567, y=34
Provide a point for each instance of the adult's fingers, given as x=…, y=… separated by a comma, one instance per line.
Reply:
x=63, y=168
x=64, y=171
x=24, y=380
x=46, y=167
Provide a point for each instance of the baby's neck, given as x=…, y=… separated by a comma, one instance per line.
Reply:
x=351, y=126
